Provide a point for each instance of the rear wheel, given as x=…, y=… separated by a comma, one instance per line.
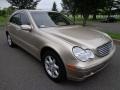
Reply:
x=9, y=40
x=53, y=66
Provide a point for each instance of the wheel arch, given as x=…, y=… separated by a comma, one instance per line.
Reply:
x=7, y=32
x=47, y=48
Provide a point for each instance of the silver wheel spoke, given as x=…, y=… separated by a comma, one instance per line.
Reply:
x=56, y=72
x=50, y=59
x=51, y=67
x=49, y=72
x=55, y=66
x=47, y=62
x=47, y=67
x=9, y=40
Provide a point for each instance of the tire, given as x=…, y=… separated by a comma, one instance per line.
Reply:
x=9, y=40
x=54, y=66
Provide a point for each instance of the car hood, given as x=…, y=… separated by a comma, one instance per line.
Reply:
x=79, y=35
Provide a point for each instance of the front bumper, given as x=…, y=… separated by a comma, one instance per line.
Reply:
x=82, y=70
x=79, y=74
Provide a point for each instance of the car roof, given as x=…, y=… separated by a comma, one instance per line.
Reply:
x=26, y=10
x=37, y=10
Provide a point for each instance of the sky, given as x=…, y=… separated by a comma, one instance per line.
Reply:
x=43, y=4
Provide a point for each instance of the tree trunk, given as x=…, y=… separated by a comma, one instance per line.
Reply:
x=85, y=17
x=74, y=18
x=109, y=12
x=94, y=16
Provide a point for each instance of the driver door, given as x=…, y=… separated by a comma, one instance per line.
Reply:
x=27, y=38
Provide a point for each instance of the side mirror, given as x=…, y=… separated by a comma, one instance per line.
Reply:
x=26, y=27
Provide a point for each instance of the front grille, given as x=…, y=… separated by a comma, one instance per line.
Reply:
x=104, y=50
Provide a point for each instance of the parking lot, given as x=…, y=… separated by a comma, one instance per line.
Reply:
x=20, y=71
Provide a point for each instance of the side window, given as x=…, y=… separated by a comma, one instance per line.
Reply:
x=16, y=19
x=24, y=19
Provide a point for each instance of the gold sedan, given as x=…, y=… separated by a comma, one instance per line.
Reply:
x=66, y=50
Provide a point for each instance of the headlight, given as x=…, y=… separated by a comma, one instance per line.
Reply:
x=83, y=55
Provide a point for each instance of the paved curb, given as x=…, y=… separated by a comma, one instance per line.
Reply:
x=116, y=41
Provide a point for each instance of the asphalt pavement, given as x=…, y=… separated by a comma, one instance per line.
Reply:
x=107, y=27
x=21, y=71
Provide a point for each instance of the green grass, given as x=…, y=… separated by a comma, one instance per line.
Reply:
x=2, y=20
x=79, y=18
x=114, y=35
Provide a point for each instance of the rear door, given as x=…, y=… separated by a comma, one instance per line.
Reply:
x=14, y=27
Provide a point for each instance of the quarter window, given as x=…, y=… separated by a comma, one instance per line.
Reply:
x=16, y=19
x=20, y=19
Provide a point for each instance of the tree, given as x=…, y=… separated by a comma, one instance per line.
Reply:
x=71, y=6
x=109, y=6
x=65, y=9
x=97, y=6
x=117, y=6
x=84, y=7
x=112, y=6
x=54, y=7
x=24, y=4
x=3, y=12
x=10, y=10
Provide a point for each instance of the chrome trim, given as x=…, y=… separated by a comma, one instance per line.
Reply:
x=104, y=50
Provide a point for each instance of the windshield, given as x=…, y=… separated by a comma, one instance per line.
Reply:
x=50, y=19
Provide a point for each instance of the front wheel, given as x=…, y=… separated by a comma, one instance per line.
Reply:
x=53, y=66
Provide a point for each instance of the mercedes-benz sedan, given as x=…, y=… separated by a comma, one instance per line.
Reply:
x=65, y=50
